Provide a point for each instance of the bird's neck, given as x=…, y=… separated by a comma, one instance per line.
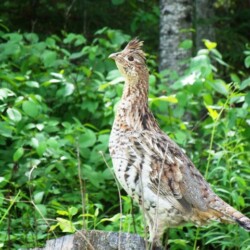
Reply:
x=133, y=112
x=135, y=93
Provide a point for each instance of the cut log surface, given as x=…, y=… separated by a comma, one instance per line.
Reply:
x=96, y=240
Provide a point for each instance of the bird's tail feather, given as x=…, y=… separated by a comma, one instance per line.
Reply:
x=244, y=222
x=229, y=213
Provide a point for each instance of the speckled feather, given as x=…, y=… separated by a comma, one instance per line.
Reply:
x=151, y=167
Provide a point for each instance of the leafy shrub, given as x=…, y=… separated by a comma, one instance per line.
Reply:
x=56, y=99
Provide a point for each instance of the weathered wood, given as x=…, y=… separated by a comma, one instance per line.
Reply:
x=96, y=240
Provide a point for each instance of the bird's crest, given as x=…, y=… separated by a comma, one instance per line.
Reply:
x=135, y=45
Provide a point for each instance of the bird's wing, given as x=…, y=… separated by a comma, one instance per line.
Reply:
x=173, y=175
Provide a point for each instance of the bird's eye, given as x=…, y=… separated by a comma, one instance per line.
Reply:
x=131, y=58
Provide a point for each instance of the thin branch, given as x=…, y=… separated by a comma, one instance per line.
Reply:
x=120, y=197
x=31, y=199
x=82, y=185
x=12, y=201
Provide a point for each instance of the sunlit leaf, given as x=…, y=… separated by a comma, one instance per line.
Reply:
x=66, y=225
x=73, y=211
x=32, y=84
x=62, y=212
x=213, y=113
x=14, y=114
x=170, y=98
x=245, y=84
x=18, y=154
x=210, y=45
x=38, y=197
x=220, y=86
x=31, y=108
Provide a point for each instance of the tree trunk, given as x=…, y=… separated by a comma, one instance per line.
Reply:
x=177, y=19
x=203, y=24
x=175, y=25
x=96, y=240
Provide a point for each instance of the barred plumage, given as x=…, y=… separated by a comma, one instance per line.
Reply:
x=151, y=167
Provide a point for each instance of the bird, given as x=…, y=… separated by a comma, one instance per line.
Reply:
x=151, y=167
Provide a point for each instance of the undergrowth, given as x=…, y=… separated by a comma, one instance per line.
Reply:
x=57, y=98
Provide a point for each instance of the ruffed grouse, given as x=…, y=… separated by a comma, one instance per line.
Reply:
x=152, y=168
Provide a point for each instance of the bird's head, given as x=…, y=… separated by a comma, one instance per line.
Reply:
x=131, y=61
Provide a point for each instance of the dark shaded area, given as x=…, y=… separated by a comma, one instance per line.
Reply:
x=232, y=31
x=137, y=18
x=82, y=16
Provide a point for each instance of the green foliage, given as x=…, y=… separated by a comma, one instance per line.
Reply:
x=211, y=122
x=51, y=108
x=57, y=97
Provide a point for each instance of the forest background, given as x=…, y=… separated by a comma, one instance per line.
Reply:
x=58, y=93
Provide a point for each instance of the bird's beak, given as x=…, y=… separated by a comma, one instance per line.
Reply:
x=113, y=56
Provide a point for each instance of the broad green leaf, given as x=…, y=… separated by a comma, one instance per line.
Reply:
x=152, y=79
x=235, y=78
x=31, y=108
x=20, y=78
x=66, y=90
x=14, y=37
x=76, y=55
x=113, y=74
x=245, y=84
x=4, y=93
x=18, y=154
x=220, y=86
x=247, y=62
x=186, y=44
x=208, y=99
x=40, y=126
x=31, y=37
x=34, y=142
x=57, y=75
x=49, y=58
x=117, y=80
x=66, y=225
x=41, y=209
x=51, y=42
x=181, y=137
x=87, y=139
x=41, y=148
x=5, y=129
x=80, y=40
x=14, y=114
x=76, y=39
x=38, y=197
x=53, y=143
x=32, y=84
x=73, y=211
x=247, y=98
x=200, y=65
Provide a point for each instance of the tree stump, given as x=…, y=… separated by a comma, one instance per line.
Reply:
x=96, y=240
